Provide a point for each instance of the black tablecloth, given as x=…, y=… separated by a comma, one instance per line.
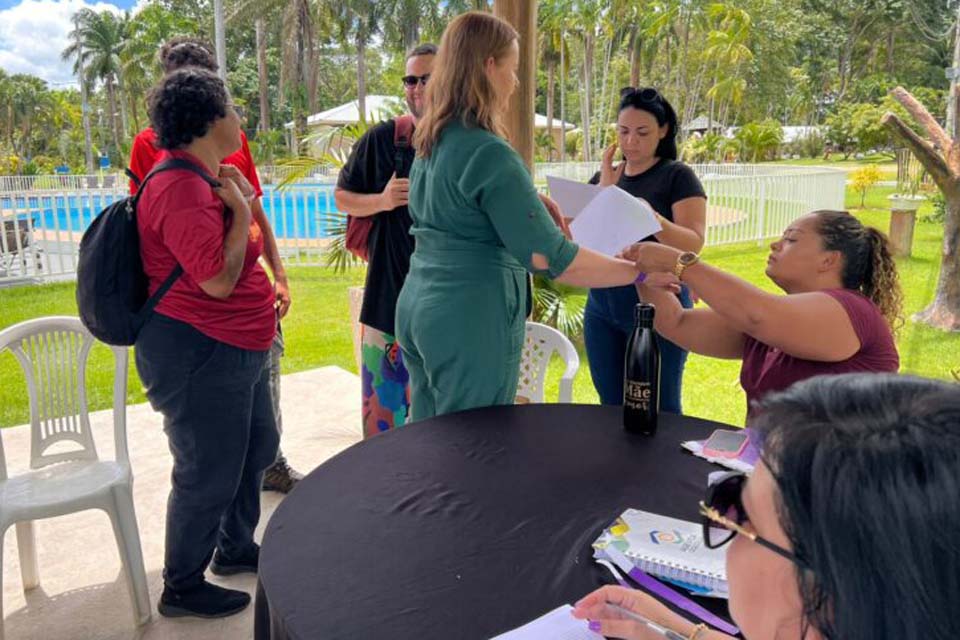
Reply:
x=467, y=525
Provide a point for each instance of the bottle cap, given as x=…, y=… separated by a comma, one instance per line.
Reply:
x=644, y=312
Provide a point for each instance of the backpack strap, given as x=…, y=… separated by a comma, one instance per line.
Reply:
x=174, y=163
x=402, y=140
x=166, y=165
x=134, y=178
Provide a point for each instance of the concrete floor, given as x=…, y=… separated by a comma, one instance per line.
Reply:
x=82, y=594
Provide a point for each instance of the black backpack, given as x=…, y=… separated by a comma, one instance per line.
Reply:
x=112, y=287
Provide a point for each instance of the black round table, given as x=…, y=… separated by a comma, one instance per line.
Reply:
x=466, y=525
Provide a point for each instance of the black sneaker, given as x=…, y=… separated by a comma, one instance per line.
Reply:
x=203, y=601
x=248, y=563
x=280, y=477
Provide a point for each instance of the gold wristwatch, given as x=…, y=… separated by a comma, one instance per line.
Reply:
x=684, y=260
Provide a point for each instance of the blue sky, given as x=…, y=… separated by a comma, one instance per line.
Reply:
x=34, y=32
x=123, y=4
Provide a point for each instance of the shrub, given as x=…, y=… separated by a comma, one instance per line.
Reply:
x=864, y=178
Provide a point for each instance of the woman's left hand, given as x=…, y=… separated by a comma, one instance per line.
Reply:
x=230, y=171
x=282, y=290
x=652, y=256
x=554, y=210
x=608, y=621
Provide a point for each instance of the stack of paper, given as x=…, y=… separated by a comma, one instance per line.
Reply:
x=605, y=219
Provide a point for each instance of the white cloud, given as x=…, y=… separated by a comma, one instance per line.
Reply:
x=33, y=33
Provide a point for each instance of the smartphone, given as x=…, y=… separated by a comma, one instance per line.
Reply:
x=725, y=444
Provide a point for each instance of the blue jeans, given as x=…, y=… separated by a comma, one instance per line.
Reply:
x=608, y=323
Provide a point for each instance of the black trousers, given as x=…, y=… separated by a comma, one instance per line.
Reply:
x=219, y=420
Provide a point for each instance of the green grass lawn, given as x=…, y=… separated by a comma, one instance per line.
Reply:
x=887, y=164
x=318, y=333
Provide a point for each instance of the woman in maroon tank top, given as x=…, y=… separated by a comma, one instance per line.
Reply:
x=842, y=306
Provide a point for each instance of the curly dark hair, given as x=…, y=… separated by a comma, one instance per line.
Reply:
x=184, y=104
x=868, y=265
x=186, y=51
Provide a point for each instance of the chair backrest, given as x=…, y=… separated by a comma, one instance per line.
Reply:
x=16, y=235
x=109, y=181
x=53, y=353
x=540, y=343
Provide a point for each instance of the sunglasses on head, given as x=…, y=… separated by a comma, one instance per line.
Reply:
x=411, y=81
x=644, y=94
x=723, y=516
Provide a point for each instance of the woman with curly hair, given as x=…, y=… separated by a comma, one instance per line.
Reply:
x=201, y=355
x=842, y=307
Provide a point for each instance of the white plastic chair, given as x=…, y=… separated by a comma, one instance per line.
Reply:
x=539, y=345
x=66, y=475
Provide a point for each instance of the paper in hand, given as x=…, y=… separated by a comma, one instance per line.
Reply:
x=572, y=196
x=613, y=220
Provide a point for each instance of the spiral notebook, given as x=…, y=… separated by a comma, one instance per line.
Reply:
x=667, y=548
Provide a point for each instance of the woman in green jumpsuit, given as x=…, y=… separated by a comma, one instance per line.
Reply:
x=479, y=226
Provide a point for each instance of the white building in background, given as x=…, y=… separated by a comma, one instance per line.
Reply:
x=379, y=108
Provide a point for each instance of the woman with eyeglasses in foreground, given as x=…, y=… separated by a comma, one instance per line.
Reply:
x=647, y=138
x=847, y=530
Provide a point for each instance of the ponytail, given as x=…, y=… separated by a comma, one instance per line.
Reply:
x=868, y=265
x=881, y=282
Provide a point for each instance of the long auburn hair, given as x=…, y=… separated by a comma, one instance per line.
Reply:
x=459, y=88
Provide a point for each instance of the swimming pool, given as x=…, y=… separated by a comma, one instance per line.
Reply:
x=301, y=212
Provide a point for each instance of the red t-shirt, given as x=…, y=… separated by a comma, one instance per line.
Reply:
x=144, y=153
x=767, y=369
x=181, y=220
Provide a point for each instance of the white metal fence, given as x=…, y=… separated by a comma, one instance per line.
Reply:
x=43, y=217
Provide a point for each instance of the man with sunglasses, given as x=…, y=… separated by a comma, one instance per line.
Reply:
x=373, y=184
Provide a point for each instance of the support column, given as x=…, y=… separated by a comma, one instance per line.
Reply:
x=522, y=14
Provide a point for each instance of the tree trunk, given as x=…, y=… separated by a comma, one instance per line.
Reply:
x=635, y=51
x=262, y=75
x=112, y=106
x=551, y=87
x=85, y=118
x=944, y=311
x=124, y=120
x=585, y=91
x=362, y=75
x=563, y=98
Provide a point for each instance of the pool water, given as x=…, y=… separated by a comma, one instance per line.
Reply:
x=303, y=212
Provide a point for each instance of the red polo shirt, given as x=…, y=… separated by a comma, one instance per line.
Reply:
x=181, y=220
x=144, y=153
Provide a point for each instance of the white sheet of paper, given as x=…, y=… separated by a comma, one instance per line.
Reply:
x=559, y=624
x=614, y=220
x=572, y=196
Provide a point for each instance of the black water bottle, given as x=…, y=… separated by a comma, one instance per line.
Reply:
x=641, y=375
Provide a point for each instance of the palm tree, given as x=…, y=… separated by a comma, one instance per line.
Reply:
x=76, y=50
x=302, y=22
x=145, y=34
x=99, y=40
x=359, y=21
x=29, y=97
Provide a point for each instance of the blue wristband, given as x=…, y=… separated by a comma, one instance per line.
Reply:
x=640, y=278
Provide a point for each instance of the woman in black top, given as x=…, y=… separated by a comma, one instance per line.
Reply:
x=647, y=136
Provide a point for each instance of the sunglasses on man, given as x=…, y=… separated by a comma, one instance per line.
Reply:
x=411, y=81
x=723, y=516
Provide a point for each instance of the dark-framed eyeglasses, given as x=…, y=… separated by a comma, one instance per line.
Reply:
x=723, y=516
x=411, y=81
x=644, y=94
